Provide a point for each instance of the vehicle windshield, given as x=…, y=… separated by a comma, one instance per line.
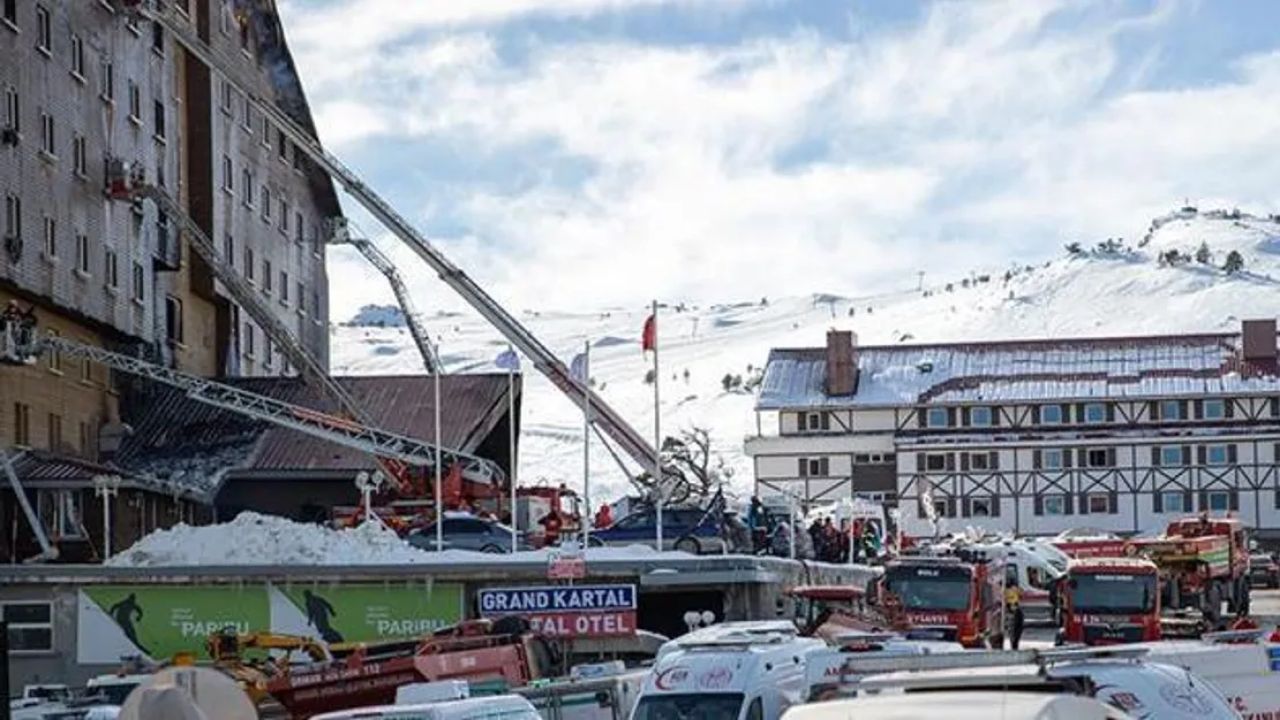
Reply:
x=701, y=706
x=1112, y=594
x=113, y=693
x=929, y=588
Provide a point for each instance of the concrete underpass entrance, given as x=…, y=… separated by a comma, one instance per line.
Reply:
x=662, y=611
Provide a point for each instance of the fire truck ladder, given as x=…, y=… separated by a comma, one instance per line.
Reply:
x=244, y=294
x=340, y=234
x=630, y=440
x=338, y=430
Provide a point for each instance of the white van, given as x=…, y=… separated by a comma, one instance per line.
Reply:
x=1033, y=571
x=961, y=706
x=735, y=671
x=497, y=707
x=1122, y=677
x=1248, y=673
x=608, y=697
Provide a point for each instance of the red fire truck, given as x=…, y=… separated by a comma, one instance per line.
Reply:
x=1107, y=601
x=1203, y=561
x=962, y=602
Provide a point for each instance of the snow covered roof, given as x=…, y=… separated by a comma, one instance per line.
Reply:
x=1024, y=370
x=180, y=438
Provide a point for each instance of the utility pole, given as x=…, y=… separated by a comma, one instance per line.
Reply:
x=920, y=284
x=106, y=487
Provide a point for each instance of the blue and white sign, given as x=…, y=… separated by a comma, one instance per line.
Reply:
x=496, y=602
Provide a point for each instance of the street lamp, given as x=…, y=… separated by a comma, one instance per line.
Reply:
x=106, y=487
x=368, y=484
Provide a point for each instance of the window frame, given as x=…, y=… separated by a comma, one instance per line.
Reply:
x=173, y=320
x=82, y=254
x=14, y=648
x=1090, y=498
x=1218, y=403
x=1054, y=505
x=1085, y=413
x=1171, y=451
x=980, y=461
x=1209, y=453
x=1172, y=499
x=934, y=412
x=986, y=410
x=1210, y=495
x=44, y=31
x=1165, y=405
x=1089, y=455
x=77, y=58
x=929, y=459
x=1056, y=409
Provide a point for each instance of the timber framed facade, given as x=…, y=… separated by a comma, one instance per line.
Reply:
x=1034, y=437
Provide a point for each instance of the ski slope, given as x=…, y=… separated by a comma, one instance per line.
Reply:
x=1090, y=294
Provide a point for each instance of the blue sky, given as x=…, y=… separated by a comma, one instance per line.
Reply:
x=587, y=153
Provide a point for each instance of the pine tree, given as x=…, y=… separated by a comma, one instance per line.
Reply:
x=1073, y=248
x=1234, y=263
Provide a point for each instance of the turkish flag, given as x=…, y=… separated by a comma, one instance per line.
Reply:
x=649, y=339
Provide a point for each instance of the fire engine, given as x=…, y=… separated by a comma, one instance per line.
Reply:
x=1203, y=561
x=1107, y=601
x=958, y=601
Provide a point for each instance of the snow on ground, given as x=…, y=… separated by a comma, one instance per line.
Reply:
x=1090, y=294
x=253, y=539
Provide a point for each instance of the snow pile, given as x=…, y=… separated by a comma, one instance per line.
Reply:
x=1098, y=291
x=378, y=316
x=253, y=539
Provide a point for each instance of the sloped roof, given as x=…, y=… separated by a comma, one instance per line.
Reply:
x=41, y=468
x=1056, y=369
x=176, y=436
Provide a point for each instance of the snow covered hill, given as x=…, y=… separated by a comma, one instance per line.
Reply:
x=1107, y=290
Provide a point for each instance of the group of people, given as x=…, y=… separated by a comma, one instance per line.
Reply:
x=823, y=540
x=17, y=325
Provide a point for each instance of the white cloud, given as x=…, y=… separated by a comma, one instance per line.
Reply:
x=790, y=163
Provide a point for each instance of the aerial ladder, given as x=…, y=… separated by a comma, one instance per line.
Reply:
x=340, y=234
x=20, y=346
x=615, y=426
x=126, y=182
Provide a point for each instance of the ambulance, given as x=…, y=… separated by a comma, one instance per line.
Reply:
x=734, y=671
x=1243, y=665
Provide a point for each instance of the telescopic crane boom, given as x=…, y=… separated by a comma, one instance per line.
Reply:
x=340, y=234
x=615, y=426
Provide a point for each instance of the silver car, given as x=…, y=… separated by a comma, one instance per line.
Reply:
x=468, y=533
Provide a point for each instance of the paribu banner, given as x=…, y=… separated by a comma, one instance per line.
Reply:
x=117, y=621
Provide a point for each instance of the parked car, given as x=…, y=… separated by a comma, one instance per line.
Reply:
x=689, y=529
x=468, y=532
x=1264, y=570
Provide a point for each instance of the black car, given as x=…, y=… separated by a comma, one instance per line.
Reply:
x=1264, y=571
x=468, y=532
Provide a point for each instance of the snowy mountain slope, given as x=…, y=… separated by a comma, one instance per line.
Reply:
x=1088, y=294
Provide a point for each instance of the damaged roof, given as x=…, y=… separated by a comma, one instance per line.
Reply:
x=1026, y=370
x=177, y=437
x=44, y=469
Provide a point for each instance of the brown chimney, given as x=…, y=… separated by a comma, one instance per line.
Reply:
x=842, y=363
x=1259, y=341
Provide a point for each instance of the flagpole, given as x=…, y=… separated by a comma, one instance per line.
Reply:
x=511, y=427
x=439, y=462
x=586, y=443
x=657, y=427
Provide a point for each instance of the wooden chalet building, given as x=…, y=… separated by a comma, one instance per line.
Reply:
x=1036, y=436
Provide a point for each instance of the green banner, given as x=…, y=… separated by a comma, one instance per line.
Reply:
x=162, y=621
x=360, y=613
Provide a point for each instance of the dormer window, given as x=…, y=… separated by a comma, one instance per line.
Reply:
x=980, y=417
x=937, y=417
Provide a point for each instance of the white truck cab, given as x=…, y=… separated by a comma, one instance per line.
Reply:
x=734, y=671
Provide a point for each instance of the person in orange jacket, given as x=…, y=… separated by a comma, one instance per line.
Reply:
x=604, y=516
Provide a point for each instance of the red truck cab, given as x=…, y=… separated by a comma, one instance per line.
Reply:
x=962, y=602
x=1108, y=601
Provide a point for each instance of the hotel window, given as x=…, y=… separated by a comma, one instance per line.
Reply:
x=1051, y=415
x=1054, y=504
x=1217, y=455
x=11, y=13
x=173, y=318
x=48, y=144
x=246, y=187
x=55, y=431
x=1100, y=504
x=297, y=227
x=82, y=254
x=249, y=348
x=1051, y=459
x=248, y=264
x=284, y=216
x=135, y=103
x=814, y=467
x=1095, y=413
x=938, y=417
x=1214, y=409
x=12, y=216
x=111, y=270
x=79, y=157
x=981, y=506
x=139, y=282
x=302, y=295
x=60, y=512
x=158, y=119
x=980, y=417
x=1170, y=409
x=44, y=31
x=157, y=38
x=1218, y=501
x=284, y=288
x=30, y=626
x=1100, y=457
x=1174, y=501
x=1171, y=456
x=77, y=57
x=50, y=238
x=22, y=424
x=266, y=204
x=228, y=97
x=815, y=422
x=980, y=461
x=12, y=110
x=54, y=356
x=228, y=174
x=935, y=462
x=107, y=80
x=268, y=282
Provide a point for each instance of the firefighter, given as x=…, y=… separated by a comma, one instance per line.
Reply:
x=551, y=526
x=1013, y=614
x=604, y=517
